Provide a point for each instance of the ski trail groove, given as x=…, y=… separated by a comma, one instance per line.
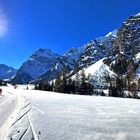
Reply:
x=34, y=135
x=23, y=134
x=21, y=117
x=29, y=130
x=26, y=105
x=26, y=100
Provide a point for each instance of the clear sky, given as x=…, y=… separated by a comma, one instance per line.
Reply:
x=27, y=25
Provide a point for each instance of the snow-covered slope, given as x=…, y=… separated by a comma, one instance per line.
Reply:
x=97, y=72
x=94, y=67
x=54, y=116
x=6, y=72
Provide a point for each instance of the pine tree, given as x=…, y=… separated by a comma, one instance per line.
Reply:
x=64, y=83
x=36, y=87
x=83, y=85
x=69, y=86
x=139, y=84
x=118, y=81
x=90, y=86
x=57, y=86
x=77, y=83
x=52, y=86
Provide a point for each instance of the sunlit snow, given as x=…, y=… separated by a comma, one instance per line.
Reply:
x=48, y=115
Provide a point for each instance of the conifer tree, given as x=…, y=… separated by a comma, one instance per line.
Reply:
x=83, y=85
x=58, y=80
x=139, y=84
x=77, y=83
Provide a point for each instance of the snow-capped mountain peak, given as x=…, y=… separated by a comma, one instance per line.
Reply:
x=138, y=14
x=6, y=72
x=45, y=64
x=113, y=33
x=97, y=49
x=44, y=52
x=38, y=63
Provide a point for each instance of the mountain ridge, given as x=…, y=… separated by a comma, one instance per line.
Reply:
x=7, y=72
x=44, y=64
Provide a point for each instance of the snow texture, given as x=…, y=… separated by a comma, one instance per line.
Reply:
x=48, y=115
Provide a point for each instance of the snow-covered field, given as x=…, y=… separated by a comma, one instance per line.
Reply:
x=54, y=116
x=9, y=107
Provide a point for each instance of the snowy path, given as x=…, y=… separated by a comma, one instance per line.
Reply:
x=52, y=116
x=8, y=104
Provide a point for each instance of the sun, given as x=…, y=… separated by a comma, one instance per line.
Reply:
x=3, y=23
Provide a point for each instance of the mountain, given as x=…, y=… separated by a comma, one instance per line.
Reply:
x=116, y=53
x=39, y=62
x=126, y=47
x=121, y=46
x=65, y=63
x=6, y=72
x=77, y=58
x=128, y=37
x=97, y=49
x=137, y=60
x=44, y=65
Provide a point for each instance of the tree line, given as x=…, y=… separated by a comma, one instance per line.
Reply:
x=123, y=82
x=79, y=84
x=2, y=83
x=120, y=84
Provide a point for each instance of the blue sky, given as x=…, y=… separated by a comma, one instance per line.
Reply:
x=27, y=25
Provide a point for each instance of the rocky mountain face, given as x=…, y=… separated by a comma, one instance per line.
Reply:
x=65, y=63
x=120, y=45
x=77, y=58
x=122, y=57
x=6, y=72
x=128, y=37
x=40, y=62
x=96, y=49
x=126, y=47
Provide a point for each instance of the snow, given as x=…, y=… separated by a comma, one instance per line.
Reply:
x=9, y=107
x=94, y=68
x=137, y=60
x=138, y=14
x=74, y=53
x=44, y=63
x=138, y=72
x=113, y=33
x=44, y=53
x=137, y=57
x=91, y=69
x=52, y=116
x=97, y=71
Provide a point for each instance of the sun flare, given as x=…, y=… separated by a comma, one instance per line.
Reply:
x=3, y=23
